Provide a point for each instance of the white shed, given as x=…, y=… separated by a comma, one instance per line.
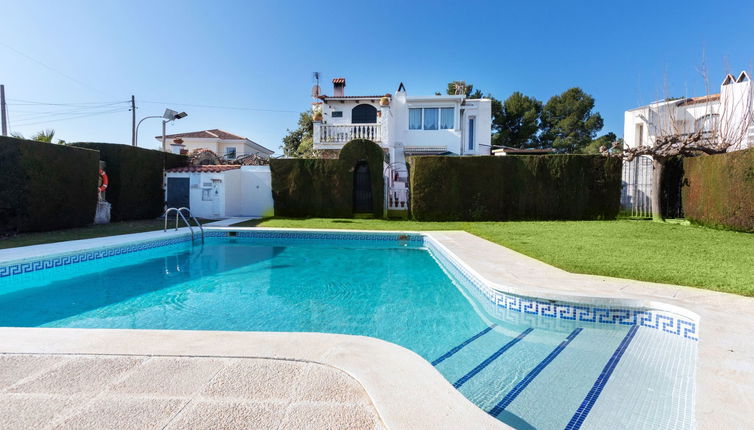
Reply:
x=220, y=191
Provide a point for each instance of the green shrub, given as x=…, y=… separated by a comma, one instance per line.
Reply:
x=45, y=186
x=550, y=187
x=136, y=179
x=718, y=190
x=324, y=187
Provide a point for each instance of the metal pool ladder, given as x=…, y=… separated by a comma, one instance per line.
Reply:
x=179, y=212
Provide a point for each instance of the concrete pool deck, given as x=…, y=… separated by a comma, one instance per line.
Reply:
x=141, y=392
x=397, y=380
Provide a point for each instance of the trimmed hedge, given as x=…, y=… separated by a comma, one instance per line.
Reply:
x=718, y=190
x=324, y=187
x=46, y=186
x=136, y=179
x=548, y=187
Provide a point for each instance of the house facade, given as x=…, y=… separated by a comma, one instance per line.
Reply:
x=724, y=116
x=402, y=124
x=229, y=146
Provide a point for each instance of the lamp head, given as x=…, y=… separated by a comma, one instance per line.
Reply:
x=171, y=115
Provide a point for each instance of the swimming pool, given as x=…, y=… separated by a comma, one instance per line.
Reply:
x=531, y=363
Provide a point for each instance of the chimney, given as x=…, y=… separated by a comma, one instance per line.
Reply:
x=338, y=87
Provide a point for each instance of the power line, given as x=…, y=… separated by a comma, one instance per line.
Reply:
x=221, y=107
x=21, y=102
x=70, y=118
x=65, y=75
x=28, y=116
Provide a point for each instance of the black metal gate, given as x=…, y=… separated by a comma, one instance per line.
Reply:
x=362, y=189
x=178, y=193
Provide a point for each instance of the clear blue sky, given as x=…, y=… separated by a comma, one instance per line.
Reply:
x=261, y=55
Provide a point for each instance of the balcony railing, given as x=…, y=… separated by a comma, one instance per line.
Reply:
x=346, y=132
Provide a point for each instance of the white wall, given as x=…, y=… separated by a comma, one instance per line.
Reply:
x=345, y=106
x=241, y=192
x=256, y=191
x=233, y=193
x=395, y=121
x=197, y=183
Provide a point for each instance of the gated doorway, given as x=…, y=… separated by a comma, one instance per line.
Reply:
x=178, y=193
x=362, y=188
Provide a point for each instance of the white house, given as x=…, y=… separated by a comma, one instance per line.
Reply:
x=726, y=115
x=403, y=125
x=227, y=145
x=220, y=191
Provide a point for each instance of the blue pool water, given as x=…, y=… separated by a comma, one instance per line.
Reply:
x=529, y=373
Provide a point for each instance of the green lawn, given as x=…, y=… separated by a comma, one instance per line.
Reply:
x=99, y=230
x=645, y=250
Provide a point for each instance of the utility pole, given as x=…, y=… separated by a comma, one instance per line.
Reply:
x=3, y=109
x=133, y=121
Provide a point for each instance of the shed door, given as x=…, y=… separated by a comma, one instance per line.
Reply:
x=178, y=193
x=362, y=189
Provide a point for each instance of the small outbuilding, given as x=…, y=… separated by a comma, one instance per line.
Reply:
x=220, y=191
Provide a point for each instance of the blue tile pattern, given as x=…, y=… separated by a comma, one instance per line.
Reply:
x=20, y=267
x=72, y=258
x=495, y=411
x=414, y=239
x=464, y=343
x=649, y=318
x=465, y=378
x=578, y=418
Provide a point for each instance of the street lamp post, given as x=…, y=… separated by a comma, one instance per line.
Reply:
x=169, y=115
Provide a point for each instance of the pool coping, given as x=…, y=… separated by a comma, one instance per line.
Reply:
x=396, y=379
x=725, y=369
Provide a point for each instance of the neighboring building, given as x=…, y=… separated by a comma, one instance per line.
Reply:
x=401, y=126
x=227, y=145
x=220, y=191
x=404, y=125
x=726, y=115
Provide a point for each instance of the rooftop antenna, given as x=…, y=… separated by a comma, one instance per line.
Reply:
x=315, y=89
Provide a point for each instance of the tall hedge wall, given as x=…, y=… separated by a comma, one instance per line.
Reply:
x=45, y=186
x=719, y=190
x=136, y=178
x=324, y=187
x=550, y=187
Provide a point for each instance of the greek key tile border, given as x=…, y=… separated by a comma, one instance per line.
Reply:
x=21, y=267
x=566, y=311
x=34, y=265
x=413, y=239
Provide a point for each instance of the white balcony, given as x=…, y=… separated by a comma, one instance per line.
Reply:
x=332, y=135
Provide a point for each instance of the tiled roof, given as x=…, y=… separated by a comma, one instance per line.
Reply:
x=212, y=168
x=696, y=100
x=339, y=81
x=214, y=133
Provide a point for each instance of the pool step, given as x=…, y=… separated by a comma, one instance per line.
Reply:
x=511, y=375
x=578, y=380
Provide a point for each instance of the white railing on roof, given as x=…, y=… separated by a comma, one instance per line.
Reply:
x=346, y=132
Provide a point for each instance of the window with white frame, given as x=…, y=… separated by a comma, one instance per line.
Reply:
x=415, y=119
x=446, y=118
x=431, y=118
x=230, y=152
